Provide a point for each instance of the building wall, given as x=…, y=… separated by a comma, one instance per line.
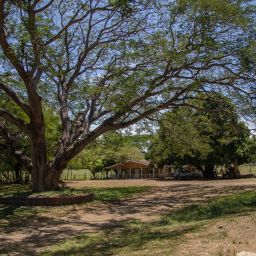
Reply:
x=138, y=173
x=163, y=172
x=148, y=173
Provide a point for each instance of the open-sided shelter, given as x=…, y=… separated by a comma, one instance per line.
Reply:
x=133, y=170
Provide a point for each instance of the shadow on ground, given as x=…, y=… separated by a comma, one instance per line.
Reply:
x=31, y=232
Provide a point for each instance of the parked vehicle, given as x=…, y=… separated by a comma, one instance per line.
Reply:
x=187, y=172
x=229, y=173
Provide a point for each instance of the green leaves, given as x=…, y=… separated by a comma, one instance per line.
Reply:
x=115, y=62
x=208, y=133
x=111, y=148
x=225, y=11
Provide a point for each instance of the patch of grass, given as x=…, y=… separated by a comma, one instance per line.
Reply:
x=101, y=195
x=18, y=213
x=156, y=238
x=80, y=174
x=237, y=203
x=11, y=212
x=14, y=189
x=24, y=190
x=115, y=194
x=130, y=239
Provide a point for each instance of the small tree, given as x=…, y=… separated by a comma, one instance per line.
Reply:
x=91, y=160
x=107, y=150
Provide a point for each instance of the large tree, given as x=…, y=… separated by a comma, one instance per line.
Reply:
x=206, y=134
x=106, y=64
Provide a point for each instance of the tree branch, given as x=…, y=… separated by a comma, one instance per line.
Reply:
x=15, y=98
x=15, y=120
x=8, y=51
x=43, y=8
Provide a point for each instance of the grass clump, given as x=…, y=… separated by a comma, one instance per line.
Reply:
x=237, y=203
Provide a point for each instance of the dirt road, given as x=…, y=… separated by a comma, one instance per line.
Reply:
x=161, y=183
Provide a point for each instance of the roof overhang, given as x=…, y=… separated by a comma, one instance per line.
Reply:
x=129, y=164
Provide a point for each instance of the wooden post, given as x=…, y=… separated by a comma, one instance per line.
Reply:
x=141, y=173
x=130, y=173
x=154, y=168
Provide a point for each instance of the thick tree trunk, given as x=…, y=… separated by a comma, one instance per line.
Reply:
x=52, y=181
x=49, y=174
x=93, y=174
x=209, y=171
x=17, y=172
x=45, y=177
x=235, y=172
x=40, y=166
x=55, y=170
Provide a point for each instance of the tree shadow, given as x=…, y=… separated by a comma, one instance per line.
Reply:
x=7, y=210
x=241, y=203
x=36, y=232
x=107, y=242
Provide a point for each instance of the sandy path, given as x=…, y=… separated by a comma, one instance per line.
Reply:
x=30, y=235
x=160, y=183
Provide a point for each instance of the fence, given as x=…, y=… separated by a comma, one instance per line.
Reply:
x=8, y=177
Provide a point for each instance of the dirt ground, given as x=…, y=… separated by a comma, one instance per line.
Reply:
x=32, y=235
x=160, y=183
x=222, y=238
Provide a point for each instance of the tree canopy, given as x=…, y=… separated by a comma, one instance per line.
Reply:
x=206, y=135
x=105, y=65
